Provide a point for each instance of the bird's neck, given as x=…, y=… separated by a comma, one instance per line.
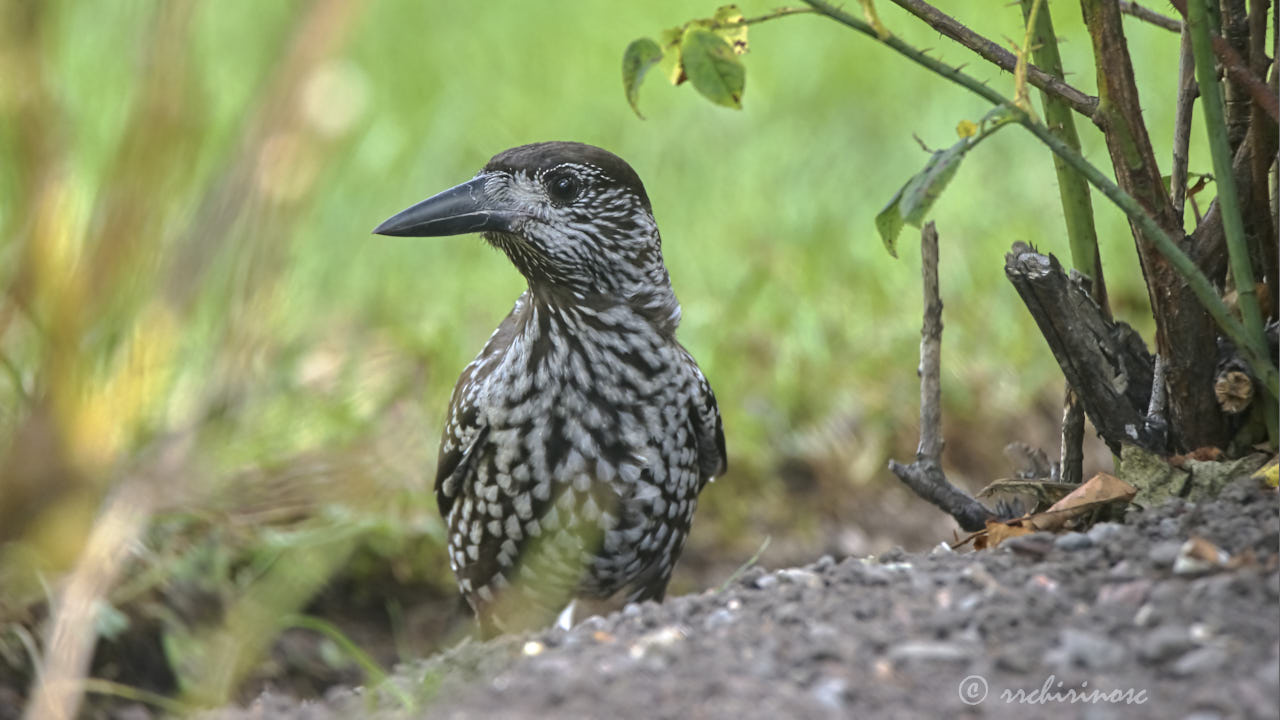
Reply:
x=657, y=308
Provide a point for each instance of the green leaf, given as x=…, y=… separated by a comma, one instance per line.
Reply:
x=914, y=199
x=712, y=67
x=734, y=34
x=889, y=223
x=640, y=55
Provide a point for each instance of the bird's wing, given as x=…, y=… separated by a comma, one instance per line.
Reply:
x=466, y=429
x=708, y=431
x=464, y=432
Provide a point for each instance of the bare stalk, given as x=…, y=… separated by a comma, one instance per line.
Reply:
x=925, y=476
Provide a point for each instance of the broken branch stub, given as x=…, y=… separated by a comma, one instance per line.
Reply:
x=1104, y=361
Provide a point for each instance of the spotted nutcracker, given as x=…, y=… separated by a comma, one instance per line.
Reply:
x=578, y=440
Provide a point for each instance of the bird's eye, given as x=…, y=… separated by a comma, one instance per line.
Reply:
x=563, y=188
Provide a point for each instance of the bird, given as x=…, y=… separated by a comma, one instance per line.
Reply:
x=579, y=439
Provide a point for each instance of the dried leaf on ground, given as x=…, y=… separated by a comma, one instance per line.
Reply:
x=1101, y=490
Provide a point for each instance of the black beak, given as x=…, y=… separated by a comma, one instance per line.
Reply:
x=465, y=208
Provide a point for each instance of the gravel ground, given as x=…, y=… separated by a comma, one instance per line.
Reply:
x=1119, y=616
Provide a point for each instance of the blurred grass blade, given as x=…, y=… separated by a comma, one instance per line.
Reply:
x=375, y=676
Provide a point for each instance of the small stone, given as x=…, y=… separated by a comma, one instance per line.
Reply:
x=1073, y=541
x=830, y=692
x=1169, y=527
x=1087, y=650
x=1035, y=545
x=892, y=555
x=1124, y=570
x=764, y=582
x=942, y=548
x=1164, y=643
x=1102, y=532
x=799, y=576
x=1132, y=593
x=720, y=618
x=1200, y=662
x=1146, y=616
x=929, y=652
x=1163, y=554
x=749, y=578
x=1015, y=659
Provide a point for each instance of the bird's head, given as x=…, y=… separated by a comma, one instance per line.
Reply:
x=573, y=218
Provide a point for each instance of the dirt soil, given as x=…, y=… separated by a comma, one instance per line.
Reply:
x=1115, y=622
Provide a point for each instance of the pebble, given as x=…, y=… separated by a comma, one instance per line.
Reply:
x=929, y=651
x=1087, y=650
x=830, y=692
x=1170, y=527
x=1125, y=569
x=720, y=618
x=1164, y=643
x=895, y=554
x=1163, y=554
x=764, y=582
x=799, y=576
x=1103, y=532
x=1131, y=593
x=1200, y=662
x=1073, y=541
x=1035, y=545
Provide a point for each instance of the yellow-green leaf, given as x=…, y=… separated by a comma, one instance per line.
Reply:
x=726, y=19
x=712, y=67
x=640, y=55
x=671, y=67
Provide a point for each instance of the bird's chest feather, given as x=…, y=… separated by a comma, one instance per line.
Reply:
x=590, y=412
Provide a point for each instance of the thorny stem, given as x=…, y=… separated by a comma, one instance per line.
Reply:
x=1077, y=212
x=772, y=15
x=1077, y=206
x=1020, y=96
x=1228, y=198
x=1251, y=348
x=1149, y=15
x=1237, y=69
x=1187, y=93
x=995, y=54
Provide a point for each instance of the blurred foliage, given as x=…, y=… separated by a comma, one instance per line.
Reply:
x=193, y=304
